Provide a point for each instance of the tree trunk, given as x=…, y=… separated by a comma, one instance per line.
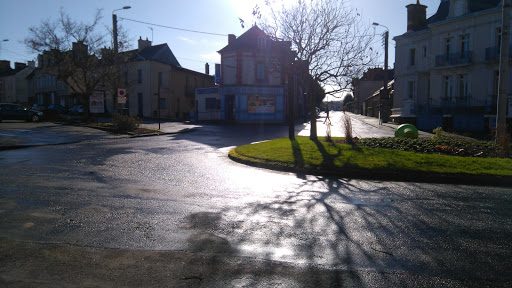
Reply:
x=312, y=111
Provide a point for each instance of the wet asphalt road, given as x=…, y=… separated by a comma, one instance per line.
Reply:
x=181, y=193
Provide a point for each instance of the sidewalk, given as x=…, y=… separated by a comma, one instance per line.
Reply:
x=372, y=121
x=169, y=127
x=362, y=126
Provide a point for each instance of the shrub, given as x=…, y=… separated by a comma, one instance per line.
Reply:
x=438, y=133
x=446, y=146
x=504, y=144
x=347, y=125
x=124, y=123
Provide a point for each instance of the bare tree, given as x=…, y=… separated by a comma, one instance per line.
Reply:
x=329, y=36
x=73, y=52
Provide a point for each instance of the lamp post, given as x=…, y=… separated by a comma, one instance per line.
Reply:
x=114, y=27
x=116, y=49
x=385, y=89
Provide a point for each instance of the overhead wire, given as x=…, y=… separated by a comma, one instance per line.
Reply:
x=175, y=28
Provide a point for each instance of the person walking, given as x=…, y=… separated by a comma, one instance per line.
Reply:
x=327, y=117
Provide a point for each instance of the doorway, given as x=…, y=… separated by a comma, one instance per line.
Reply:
x=230, y=107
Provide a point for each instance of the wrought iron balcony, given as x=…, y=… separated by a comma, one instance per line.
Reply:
x=454, y=59
x=492, y=54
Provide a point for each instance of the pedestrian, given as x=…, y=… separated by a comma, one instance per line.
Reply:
x=327, y=117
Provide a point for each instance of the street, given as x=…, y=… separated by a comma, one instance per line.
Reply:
x=181, y=193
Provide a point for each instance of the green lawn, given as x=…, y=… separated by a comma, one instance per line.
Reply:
x=304, y=154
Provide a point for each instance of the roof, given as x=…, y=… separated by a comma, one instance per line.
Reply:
x=249, y=41
x=390, y=87
x=474, y=6
x=13, y=72
x=160, y=53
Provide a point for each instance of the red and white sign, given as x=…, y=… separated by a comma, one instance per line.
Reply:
x=121, y=96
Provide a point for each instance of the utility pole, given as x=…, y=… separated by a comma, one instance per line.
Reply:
x=384, y=94
x=114, y=32
x=501, y=119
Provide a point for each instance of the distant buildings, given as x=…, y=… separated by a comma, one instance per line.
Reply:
x=446, y=71
x=155, y=83
x=253, y=81
x=14, y=86
x=365, y=87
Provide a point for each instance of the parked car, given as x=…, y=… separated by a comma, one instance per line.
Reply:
x=17, y=112
x=38, y=107
x=55, y=111
x=77, y=109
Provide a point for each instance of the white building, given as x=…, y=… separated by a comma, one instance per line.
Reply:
x=448, y=75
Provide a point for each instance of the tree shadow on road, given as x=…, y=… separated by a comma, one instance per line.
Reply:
x=361, y=227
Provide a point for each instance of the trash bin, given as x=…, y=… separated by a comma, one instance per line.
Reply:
x=406, y=131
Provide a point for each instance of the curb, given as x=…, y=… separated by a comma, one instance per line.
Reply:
x=376, y=175
x=15, y=147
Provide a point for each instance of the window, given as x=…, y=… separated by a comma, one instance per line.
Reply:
x=447, y=88
x=212, y=104
x=464, y=45
x=260, y=71
x=463, y=86
x=139, y=76
x=496, y=82
x=163, y=103
x=412, y=57
x=262, y=43
x=448, y=48
x=412, y=90
x=498, y=39
x=425, y=51
x=160, y=79
x=429, y=95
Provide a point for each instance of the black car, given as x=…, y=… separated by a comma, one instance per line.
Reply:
x=17, y=112
x=54, y=111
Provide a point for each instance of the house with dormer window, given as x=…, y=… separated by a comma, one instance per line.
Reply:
x=448, y=73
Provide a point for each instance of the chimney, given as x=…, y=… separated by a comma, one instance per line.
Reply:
x=19, y=66
x=206, y=69
x=416, y=17
x=231, y=38
x=5, y=66
x=144, y=43
x=32, y=64
x=80, y=47
x=40, y=61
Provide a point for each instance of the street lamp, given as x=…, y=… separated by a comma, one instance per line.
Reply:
x=116, y=47
x=114, y=27
x=385, y=91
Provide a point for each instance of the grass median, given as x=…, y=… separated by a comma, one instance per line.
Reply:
x=326, y=158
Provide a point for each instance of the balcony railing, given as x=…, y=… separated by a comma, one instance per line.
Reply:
x=492, y=54
x=454, y=59
x=460, y=106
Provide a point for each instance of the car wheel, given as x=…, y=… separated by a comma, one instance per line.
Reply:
x=35, y=118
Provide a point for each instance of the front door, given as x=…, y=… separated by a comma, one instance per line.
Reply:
x=140, y=102
x=230, y=107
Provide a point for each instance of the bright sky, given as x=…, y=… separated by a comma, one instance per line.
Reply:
x=193, y=50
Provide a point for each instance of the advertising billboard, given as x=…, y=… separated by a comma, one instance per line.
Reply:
x=96, y=102
x=261, y=104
